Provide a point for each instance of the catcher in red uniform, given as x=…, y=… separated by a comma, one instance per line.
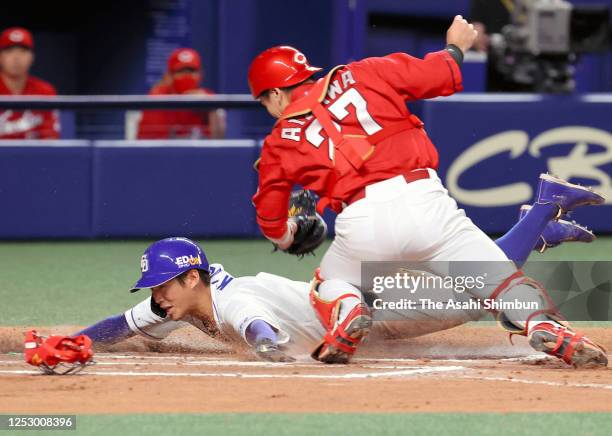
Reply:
x=350, y=138
x=16, y=58
x=184, y=76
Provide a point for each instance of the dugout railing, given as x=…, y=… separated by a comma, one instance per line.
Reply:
x=492, y=148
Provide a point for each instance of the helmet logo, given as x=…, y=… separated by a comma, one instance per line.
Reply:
x=299, y=58
x=16, y=36
x=144, y=263
x=186, y=261
x=185, y=56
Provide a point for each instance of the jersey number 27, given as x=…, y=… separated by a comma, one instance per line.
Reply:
x=339, y=110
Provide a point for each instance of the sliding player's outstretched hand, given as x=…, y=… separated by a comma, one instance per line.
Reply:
x=268, y=350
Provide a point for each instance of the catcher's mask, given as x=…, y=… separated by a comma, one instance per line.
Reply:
x=169, y=258
x=58, y=354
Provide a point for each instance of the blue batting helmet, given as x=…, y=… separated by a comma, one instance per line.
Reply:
x=169, y=258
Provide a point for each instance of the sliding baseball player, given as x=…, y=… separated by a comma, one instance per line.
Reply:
x=272, y=314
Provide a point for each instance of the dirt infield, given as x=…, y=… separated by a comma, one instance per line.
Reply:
x=466, y=369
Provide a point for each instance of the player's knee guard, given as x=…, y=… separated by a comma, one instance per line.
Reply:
x=342, y=338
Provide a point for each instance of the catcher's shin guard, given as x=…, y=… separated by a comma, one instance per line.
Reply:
x=342, y=338
x=340, y=343
x=553, y=336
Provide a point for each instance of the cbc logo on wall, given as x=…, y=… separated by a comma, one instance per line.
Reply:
x=578, y=163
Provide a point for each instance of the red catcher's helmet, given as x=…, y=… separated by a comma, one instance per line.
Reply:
x=58, y=354
x=278, y=67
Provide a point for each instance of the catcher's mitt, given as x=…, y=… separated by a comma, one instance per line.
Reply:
x=311, y=229
x=58, y=354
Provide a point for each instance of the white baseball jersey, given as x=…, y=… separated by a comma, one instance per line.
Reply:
x=237, y=302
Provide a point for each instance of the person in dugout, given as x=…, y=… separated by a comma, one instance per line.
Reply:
x=184, y=76
x=16, y=59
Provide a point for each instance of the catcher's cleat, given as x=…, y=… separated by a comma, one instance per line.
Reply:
x=340, y=343
x=572, y=347
x=557, y=232
x=567, y=196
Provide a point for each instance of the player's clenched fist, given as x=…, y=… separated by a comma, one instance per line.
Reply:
x=461, y=33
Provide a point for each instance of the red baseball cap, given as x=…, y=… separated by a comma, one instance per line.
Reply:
x=184, y=58
x=16, y=36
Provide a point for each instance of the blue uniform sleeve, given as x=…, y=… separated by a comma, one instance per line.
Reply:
x=259, y=330
x=108, y=331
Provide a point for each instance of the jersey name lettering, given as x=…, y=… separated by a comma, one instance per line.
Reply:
x=336, y=88
x=292, y=133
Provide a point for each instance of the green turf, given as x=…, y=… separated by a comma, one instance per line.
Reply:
x=54, y=283
x=600, y=249
x=82, y=282
x=571, y=424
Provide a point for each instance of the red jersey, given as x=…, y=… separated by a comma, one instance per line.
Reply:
x=167, y=124
x=29, y=124
x=363, y=98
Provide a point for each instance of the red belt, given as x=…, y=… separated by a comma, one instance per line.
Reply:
x=409, y=177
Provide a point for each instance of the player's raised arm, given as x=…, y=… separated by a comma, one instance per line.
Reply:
x=461, y=34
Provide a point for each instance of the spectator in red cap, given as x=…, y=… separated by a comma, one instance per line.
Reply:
x=184, y=76
x=16, y=58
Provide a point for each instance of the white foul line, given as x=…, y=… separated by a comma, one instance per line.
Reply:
x=535, y=382
x=526, y=358
x=406, y=372
x=372, y=363
x=193, y=363
x=361, y=359
x=188, y=359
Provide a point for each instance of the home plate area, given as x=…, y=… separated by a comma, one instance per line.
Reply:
x=443, y=373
